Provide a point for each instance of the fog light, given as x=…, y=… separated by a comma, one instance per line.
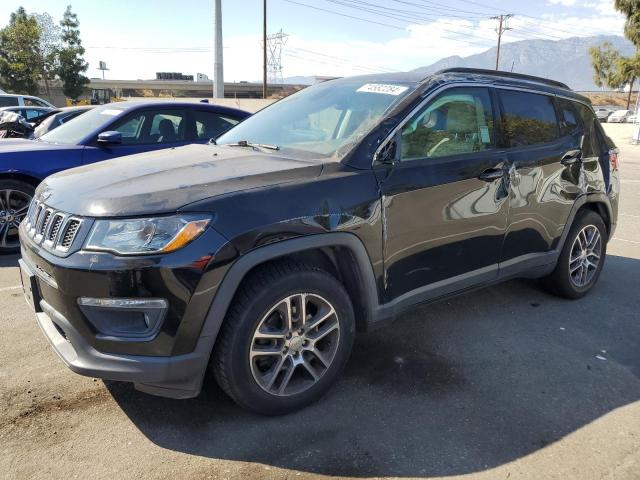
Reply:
x=124, y=318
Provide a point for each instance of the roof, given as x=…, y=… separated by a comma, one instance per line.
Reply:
x=20, y=107
x=472, y=74
x=130, y=105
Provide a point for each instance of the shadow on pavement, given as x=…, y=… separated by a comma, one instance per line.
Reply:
x=456, y=387
x=9, y=260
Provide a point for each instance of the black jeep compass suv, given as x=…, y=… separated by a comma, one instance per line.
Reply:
x=329, y=212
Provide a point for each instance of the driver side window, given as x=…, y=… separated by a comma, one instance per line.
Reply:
x=456, y=122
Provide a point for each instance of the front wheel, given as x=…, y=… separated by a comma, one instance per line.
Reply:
x=581, y=259
x=15, y=197
x=286, y=339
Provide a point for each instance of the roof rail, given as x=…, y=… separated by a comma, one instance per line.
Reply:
x=500, y=73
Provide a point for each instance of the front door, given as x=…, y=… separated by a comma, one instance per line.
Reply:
x=143, y=131
x=444, y=201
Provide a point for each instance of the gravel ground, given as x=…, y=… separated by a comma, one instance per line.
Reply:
x=507, y=382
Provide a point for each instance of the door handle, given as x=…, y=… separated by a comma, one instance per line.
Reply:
x=491, y=174
x=571, y=157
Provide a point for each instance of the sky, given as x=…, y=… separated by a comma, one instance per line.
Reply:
x=137, y=38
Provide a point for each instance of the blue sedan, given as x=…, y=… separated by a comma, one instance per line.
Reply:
x=105, y=132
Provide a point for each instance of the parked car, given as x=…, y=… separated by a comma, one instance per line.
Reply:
x=620, y=116
x=14, y=125
x=603, y=114
x=30, y=114
x=326, y=213
x=57, y=117
x=9, y=100
x=107, y=131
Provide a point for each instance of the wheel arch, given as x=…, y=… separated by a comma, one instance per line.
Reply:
x=23, y=177
x=597, y=202
x=342, y=254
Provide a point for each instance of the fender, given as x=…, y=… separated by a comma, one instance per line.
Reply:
x=596, y=197
x=246, y=262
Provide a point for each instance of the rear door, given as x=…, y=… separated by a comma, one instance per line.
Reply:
x=543, y=148
x=143, y=131
x=445, y=205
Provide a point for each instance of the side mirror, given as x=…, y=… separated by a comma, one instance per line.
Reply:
x=110, y=138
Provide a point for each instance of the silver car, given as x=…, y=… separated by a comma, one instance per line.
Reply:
x=603, y=113
x=620, y=116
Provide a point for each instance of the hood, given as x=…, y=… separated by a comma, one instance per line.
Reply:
x=14, y=145
x=166, y=180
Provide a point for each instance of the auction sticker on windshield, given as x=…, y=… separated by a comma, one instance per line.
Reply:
x=382, y=88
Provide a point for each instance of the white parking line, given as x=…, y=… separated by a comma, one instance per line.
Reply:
x=625, y=240
x=6, y=289
x=628, y=215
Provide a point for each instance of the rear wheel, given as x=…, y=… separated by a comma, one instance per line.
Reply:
x=15, y=197
x=286, y=339
x=581, y=259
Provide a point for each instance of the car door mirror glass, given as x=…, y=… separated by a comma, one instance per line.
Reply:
x=110, y=138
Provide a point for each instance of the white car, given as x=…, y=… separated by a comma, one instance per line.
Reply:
x=9, y=100
x=620, y=116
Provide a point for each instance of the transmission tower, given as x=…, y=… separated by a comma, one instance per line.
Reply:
x=275, y=44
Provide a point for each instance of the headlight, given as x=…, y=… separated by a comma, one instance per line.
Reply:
x=139, y=236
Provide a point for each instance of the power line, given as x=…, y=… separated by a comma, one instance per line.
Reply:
x=397, y=17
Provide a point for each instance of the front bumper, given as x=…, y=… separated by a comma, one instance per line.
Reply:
x=170, y=363
x=178, y=376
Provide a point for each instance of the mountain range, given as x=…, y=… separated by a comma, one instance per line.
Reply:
x=566, y=60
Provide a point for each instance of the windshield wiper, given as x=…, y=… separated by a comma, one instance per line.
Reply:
x=244, y=143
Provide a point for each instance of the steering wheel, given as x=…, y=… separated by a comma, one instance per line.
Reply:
x=436, y=146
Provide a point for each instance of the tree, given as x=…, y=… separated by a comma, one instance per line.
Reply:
x=71, y=65
x=19, y=53
x=603, y=60
x=630, y=8
x=609, y=67
x=48, y=47
x=627, y=71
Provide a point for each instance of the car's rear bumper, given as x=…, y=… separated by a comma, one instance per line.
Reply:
x=177, y=376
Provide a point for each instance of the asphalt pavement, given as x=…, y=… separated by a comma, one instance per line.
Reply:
x=505, y=382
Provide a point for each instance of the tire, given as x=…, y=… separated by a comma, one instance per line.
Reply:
x=15, y=197
x=569, y=279
x=258, y=309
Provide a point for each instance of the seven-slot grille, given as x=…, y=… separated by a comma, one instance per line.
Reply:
x=54, y=229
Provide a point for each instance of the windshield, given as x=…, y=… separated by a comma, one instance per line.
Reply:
x=320, y=120
x=76, y=129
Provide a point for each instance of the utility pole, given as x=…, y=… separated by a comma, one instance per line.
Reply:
x=218, y=74
x=502, y=27
x=264, y=49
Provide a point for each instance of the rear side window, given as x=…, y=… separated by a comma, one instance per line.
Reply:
x=8, y=101
x=569, y=123
x=527, y=118
x=33, y=102
x=590, y=146
x=211, y=125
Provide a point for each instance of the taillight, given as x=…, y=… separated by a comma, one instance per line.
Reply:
x=613, y=160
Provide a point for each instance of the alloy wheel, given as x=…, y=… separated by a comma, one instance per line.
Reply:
x=13, y=208
x=585, y=256
x=294, y=344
